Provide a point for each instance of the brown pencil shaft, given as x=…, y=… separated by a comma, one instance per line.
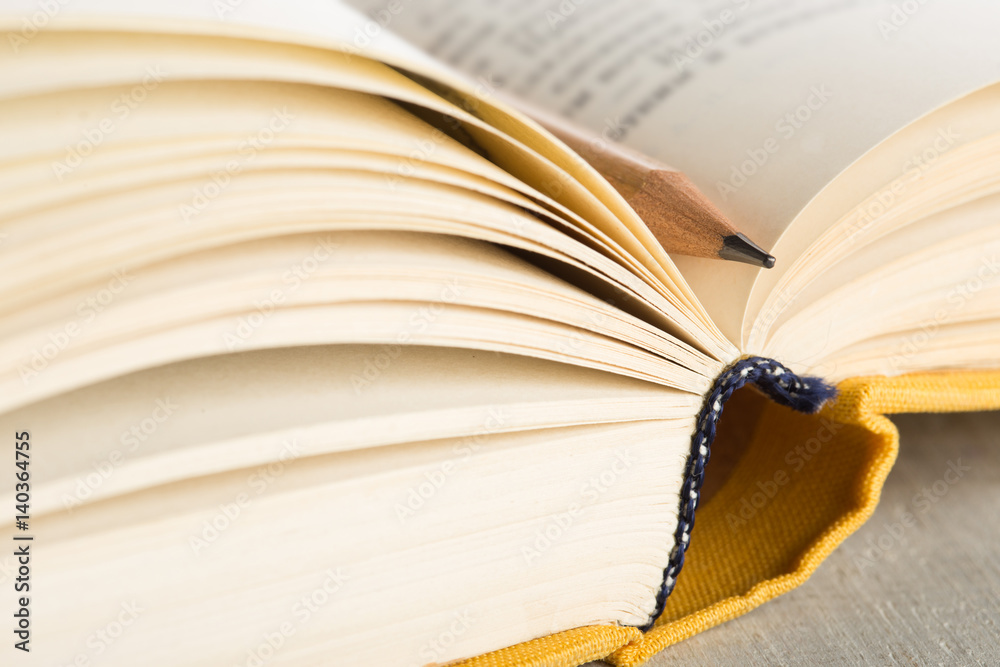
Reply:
x=677, y=214
x=682, y=220
x=625, y=169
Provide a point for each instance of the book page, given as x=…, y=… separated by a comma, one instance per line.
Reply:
x=760, y=102
x=324, y=21
x=362, y=287
x=231, y=411
x=511, y=141
x=211, y=596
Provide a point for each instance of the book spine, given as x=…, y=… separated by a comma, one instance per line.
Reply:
x=802, y=393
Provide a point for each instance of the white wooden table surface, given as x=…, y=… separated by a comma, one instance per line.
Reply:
x=923, y=594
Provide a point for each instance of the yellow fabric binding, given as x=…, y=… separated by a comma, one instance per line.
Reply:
x=834, y=465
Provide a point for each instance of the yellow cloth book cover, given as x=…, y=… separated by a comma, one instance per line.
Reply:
x=316, y=346
x=825, y=473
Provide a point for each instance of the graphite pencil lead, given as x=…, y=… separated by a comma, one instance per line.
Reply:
x=738, y=248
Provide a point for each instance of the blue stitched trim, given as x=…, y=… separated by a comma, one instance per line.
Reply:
x=805, y=394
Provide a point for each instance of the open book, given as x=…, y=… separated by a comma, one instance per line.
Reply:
x=325, y=354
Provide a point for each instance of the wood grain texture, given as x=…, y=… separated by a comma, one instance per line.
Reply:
x=927, y=593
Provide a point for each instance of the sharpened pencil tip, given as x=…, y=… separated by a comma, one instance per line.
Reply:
x=738, y=248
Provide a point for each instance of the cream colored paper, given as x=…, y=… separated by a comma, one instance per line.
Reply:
x=757, y=113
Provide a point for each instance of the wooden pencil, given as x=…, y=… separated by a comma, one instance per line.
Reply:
x=681, y=218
